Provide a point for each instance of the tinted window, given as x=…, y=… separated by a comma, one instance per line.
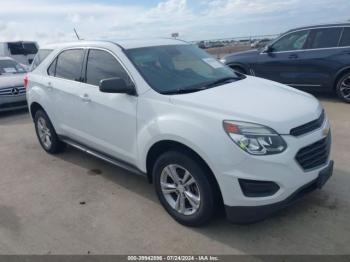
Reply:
x=41, y=55
x=292, y=41
x=21, y=48
x=69, y=64
x=325, y=37
x=345, y=39
x=102, y=65
x=30, y=48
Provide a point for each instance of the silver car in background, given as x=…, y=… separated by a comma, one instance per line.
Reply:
x=12, y=91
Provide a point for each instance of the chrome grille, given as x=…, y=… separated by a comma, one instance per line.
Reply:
x=12, y=91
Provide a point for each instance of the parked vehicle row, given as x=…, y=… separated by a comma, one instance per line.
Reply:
x=313, y=58
x=205, y=136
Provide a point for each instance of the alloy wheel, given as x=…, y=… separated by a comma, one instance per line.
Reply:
x=44, y=133
x=345, y=88
x=180, y=189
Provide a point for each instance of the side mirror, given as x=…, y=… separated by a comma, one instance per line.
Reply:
x=116, y=85
x=268, y=49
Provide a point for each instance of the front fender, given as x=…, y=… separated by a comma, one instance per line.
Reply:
x=162, y=129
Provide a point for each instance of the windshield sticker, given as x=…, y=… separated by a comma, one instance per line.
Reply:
x=213, y=62
x=10, y=70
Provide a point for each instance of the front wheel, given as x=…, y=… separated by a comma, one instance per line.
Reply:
x=184, y=189
x=343, y=88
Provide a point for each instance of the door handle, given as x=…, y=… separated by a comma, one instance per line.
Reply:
x=49, y=85
x=85, y=98
x=293, y=56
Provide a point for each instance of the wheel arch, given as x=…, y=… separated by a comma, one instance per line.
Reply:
x=339, y=75
x=163, y=146
x=34, y=107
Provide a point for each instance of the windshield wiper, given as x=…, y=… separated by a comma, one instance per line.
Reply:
x=184, y=91
x=207, y=86
x=223, y=80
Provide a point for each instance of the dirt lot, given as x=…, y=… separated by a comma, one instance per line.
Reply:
x=76, y=204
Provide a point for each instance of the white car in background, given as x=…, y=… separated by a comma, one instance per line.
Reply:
x=206, y=136
x=12, y=91
x=21, y=51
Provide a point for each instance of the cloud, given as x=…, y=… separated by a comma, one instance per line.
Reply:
x=53, y=21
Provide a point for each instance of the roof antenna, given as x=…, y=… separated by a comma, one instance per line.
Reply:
x=76, y=33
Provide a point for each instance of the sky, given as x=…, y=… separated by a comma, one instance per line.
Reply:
x=48, y=21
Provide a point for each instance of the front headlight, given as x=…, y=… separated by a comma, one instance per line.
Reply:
x=255, y=139
x=223, y=60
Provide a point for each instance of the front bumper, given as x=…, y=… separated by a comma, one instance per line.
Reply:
x=251, y=214
x=13, y=102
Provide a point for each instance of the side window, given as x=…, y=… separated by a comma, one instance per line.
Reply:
x=325, y=37
x=345, y=39
x=290, y=42
x=69, y=64
x=102, y=65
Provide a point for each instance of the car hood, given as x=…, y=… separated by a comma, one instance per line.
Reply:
x=11, y=80
x=255, y=100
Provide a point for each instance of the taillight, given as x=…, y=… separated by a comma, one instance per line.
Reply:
x=25, y=80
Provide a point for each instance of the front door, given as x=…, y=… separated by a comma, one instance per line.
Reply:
x=108, y=120
x=284, y=62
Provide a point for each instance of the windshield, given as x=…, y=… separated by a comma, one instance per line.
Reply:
x=179, y=68
x=11, y=67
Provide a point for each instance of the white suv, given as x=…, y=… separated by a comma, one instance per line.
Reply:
x=207, y=137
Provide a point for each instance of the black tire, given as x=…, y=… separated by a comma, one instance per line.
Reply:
x=208, y=195
x=344, y=94
x=56, y=146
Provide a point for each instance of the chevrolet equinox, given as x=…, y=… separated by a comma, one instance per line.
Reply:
x=206, y=137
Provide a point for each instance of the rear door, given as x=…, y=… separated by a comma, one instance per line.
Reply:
x=284, y=63
x=320, y=58
x=65, y=88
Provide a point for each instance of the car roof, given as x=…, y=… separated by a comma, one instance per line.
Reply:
x=319, y=26
x=124, y=44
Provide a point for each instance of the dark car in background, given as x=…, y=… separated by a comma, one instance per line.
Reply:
x=315, y=58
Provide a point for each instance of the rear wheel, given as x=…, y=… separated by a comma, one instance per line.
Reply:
x=46, y=133
x=343, y=88
x=184, y=188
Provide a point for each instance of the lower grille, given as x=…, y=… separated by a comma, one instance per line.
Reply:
x=314, y=155
x=14, y=104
